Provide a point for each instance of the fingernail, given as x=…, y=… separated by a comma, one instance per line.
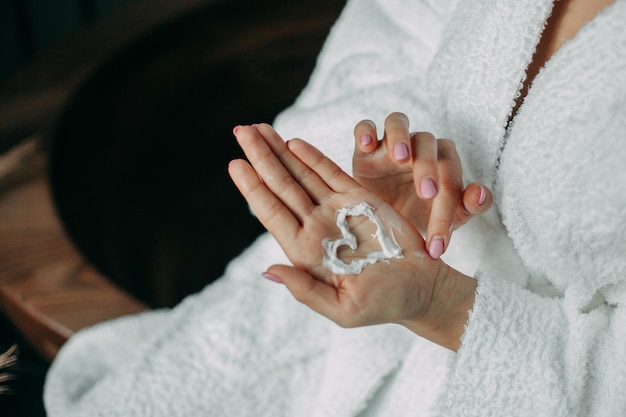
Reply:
x=483, y=196
x=435, y=249
x=400, y=151
x=235, y=129
x=366, y=139
x=428, y=189
x=271, y=277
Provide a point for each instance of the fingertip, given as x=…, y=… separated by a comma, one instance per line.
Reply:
x=482, y=196
x=272, y=277
x=397, y=117
x=242, y=175
x=264, y=129
x=427, y=188
x=367, y=123
x=477, y=198
x=234, y=166
x=400, y=152
x=365, y=136
x=436, y=247
x=366, y=141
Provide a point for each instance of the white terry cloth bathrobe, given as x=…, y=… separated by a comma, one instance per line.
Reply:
x=547, y=335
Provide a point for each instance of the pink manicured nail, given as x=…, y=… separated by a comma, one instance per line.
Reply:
x=483, y=196
x=428, y=189
x=366, y=139
x=400, y=151
x=435, y=250
x=271, y=277
x=235, y=129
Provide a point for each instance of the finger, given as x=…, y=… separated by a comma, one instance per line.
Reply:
x=476, y=200
x=270, y=210
x=365, y=137
x=317, y=295
x=272, y=170
x=370, y=156
x=447, y=201
x=397, y=137
x=333, y=177
x=424, y=148
x=308, y=179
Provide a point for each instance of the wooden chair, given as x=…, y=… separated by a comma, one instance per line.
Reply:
x=47, y=288
x=69, y=115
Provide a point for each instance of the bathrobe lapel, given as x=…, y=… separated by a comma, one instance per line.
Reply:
x=478, y=72
x=570, y=134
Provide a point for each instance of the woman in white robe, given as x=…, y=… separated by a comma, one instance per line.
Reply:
x=547, y=330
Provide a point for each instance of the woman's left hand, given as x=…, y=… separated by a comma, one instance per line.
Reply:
x=295, y=192
x=420, y=176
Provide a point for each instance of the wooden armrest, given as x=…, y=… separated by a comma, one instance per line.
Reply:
x=47, y=289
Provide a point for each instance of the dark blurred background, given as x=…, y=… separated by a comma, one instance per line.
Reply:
x=27, y=27
x=136, y=101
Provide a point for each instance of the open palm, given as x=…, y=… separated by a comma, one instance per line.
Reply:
x=295, y=192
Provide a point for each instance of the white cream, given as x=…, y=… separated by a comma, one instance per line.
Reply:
x=389, y=247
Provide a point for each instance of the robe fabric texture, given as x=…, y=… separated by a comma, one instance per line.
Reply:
x=547, y=334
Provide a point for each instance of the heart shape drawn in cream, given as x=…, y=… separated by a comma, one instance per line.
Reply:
x=389, y=247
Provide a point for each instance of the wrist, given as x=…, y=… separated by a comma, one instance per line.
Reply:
x=451, y=301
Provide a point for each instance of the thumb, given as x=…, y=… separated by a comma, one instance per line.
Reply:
x=476, y=200
x=308, y=290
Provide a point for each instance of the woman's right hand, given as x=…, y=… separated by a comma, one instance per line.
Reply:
x=420, y=176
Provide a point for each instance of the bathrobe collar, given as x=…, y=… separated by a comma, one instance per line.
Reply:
x=478, y=73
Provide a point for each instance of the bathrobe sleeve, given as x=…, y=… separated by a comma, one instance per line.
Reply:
x=555, y=346
x=528, y=355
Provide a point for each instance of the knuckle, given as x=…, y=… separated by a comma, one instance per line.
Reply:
x=272, y=212
x=424, y=136
x=397, y=115
x=334, y=175
x=451, y=184
x=364, y=124
x=284, y=184
x=441, y=225
x=446, y=149
x=462, y=216
x=397, y=123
